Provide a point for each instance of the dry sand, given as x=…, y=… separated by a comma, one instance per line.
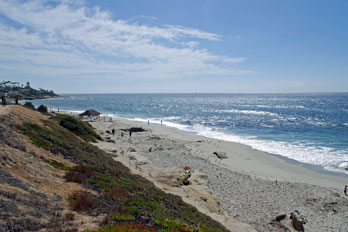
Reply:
x=246, y=191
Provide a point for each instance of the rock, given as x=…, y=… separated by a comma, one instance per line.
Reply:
x=280, y=217
x=336, y=194
x=297, y=221
x=134, y=129
x=220, y=155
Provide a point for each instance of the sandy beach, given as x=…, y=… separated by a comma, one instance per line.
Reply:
x=244, y=191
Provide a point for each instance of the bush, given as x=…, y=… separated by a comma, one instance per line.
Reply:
x=42, y=109
x=29, y=105
x=78, y=127
x=84, y=170
x=74, y=177
x=82, y=201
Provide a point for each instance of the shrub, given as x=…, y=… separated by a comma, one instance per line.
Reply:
x=29, y=105
x=78, y=127
x=42, y=109
x=74, y=177
x=82, y=201
x=117, y=194
x=84, y=170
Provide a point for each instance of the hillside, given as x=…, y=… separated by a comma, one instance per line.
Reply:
x=52, y=179
x=11, y=89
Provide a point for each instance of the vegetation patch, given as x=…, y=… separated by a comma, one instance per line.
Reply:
x=29, y=105
x=78, y=127
x=81, y=201
x=121, y=216
x=38, y=135
x=42, y=109
x=72, y=176
x=57, y=165
x=127, y=227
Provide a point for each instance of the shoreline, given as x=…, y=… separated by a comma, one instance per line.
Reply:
x=250, y=186
x=312, y=167
x=309, y=167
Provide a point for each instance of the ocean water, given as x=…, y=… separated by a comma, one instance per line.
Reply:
x=309, y=128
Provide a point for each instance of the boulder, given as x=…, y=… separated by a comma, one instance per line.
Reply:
x=220, y=155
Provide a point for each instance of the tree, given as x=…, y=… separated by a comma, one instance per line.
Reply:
x=18, y=97
x=27, y=85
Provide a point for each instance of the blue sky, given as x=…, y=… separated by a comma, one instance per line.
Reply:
x=110, y=46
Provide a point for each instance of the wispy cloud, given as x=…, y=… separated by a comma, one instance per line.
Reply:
x=68, y=38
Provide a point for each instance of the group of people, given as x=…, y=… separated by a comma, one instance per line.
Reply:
x=148, y=122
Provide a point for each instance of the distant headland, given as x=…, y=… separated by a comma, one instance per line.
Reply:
x=17, y=90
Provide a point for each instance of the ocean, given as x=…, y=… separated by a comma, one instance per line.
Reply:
x=309, y=128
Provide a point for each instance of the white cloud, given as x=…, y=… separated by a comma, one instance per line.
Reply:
x=66, y=37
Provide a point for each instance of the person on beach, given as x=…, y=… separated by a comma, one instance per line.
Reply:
x=113, y=131
x=3, y=101
x=161, y=122
x=148, y=122
x=345, y=190
x=130, y=134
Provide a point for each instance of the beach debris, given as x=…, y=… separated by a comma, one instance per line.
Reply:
x=150, y=149
x=297, y=220
x=108, y=132
x=220, y=155
x=90, y=113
